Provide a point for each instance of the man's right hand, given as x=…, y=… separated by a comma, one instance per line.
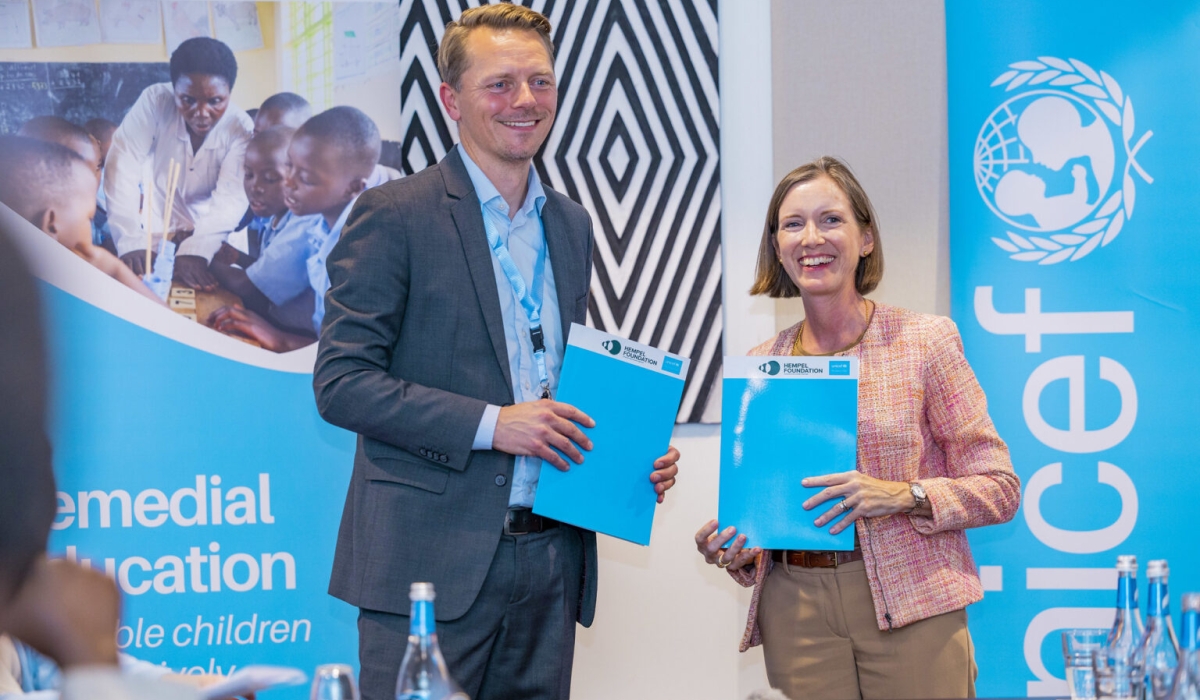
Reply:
x=533, y=428
x=136, y=260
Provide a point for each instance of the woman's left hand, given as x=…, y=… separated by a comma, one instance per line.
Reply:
x=857, y=495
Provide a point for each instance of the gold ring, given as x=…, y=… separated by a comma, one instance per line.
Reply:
x=721, y=563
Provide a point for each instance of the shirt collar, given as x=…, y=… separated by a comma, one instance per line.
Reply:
x=535, y=195
x=341, y=221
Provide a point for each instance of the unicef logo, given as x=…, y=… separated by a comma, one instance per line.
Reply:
x=612, y=346
x=1057, y=159
x=771, y=368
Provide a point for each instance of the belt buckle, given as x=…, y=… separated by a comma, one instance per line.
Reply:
x=811, y=559
x=523, y=528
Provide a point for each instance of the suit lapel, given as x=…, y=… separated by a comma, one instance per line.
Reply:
x=468, y=219
x=565, y=260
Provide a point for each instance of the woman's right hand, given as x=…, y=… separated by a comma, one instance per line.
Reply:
x=724, y=548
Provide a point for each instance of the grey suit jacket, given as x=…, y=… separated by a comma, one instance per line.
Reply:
x=412, y=350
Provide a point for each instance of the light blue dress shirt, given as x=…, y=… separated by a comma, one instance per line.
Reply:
x=281, y=270
x=321, y=240
x=525, y=237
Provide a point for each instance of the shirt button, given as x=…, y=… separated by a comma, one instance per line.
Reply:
x=501, y=480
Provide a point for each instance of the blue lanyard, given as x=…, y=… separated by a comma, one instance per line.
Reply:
x=531, y=299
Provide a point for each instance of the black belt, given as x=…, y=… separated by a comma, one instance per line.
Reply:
x=523, y=521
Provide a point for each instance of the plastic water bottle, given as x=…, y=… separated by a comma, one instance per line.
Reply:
x=1122, y=678
x=1159, y=651
x=1186, y=685
x=423, y=674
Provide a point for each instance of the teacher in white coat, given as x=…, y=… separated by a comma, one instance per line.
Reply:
x=191, y=121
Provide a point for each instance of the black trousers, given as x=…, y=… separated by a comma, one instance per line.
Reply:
x=517, y=641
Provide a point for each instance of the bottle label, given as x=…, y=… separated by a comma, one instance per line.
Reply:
x=1191, y=630
x=422, y=623
x=1127, y=592
x=1157, y=603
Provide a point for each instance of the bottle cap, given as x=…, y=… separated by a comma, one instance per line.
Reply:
x=1191, y=602
x=1126, y=563
x=421, y=591
x=1157, y=568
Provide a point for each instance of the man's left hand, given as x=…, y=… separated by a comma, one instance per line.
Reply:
x=665, y=469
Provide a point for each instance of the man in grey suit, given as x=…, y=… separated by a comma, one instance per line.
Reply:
x=451, y=295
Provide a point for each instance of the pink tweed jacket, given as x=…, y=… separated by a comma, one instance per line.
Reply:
x=922, y=417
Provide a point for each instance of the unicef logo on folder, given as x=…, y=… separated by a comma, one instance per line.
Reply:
x=1057, y=160
x=771, y=368
x=613, y=347
x=839, y=368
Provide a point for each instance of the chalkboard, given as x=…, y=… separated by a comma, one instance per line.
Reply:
x=76, y=92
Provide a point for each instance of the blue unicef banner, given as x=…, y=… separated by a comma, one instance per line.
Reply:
x=1073, y=178
x=194, y=469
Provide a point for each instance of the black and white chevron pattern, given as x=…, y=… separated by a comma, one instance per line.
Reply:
x=636, y=142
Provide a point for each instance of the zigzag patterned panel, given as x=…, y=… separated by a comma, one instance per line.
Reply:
x=635, y=141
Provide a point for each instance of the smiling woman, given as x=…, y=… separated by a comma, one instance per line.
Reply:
x=190, y=121
x=887, y=619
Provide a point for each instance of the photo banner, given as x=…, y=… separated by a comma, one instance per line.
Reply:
x=198, y=476
x=1073, y=148
x=192, y=464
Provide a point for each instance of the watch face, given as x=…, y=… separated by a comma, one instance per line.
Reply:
x=918, y=491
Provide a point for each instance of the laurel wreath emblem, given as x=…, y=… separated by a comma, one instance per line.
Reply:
x=1115, y=105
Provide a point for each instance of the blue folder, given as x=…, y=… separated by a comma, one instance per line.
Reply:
x=632, y=391
x=782, y=419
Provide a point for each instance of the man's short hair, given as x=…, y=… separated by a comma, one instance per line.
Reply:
x=51, y=128
x=352, y=132
x=58, y=130
x=36, y=174
x=100, y=128
x=206, y=57
x=452, y=58
x=286, y=102
x=273, y=138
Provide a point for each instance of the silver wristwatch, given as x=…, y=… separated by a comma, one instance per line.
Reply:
x=921, y=500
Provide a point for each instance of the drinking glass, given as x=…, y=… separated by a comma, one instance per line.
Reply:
x=1117, y=677
x=334, y=682
x=1078, y=645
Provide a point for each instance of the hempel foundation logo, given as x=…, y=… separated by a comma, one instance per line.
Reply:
x=612, y=346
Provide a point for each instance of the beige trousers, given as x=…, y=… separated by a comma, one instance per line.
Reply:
x=821, y=641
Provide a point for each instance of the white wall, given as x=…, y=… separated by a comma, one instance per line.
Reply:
x=667, y=624
x=866, y=81
x=860, y=79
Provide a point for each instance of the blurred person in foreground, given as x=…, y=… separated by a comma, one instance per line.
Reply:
x=66, y=611
x=888, y=619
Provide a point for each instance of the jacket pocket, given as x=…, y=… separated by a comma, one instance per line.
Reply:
x=410, y=472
